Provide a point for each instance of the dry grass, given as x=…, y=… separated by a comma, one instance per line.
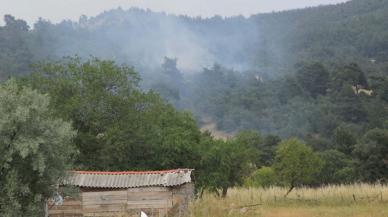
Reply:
x=359, y=200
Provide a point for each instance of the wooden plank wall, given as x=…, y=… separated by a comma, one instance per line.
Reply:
x=104, y=203
x=69, y=208
x=182, y=196
x=154, y=197
x=155, y=201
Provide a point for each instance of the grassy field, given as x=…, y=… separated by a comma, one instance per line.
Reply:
x=359, y=200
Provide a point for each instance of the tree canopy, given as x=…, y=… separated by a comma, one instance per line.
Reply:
x=296, y=164
x=112, y=115
x=36, y=148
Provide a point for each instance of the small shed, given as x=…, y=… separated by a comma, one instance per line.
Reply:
x=157, y=193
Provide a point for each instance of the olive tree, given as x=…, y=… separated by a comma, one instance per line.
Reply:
x=225, y=164
x=296, y=164
x=35, y=150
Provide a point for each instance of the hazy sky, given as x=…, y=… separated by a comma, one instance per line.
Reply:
x=57, y=10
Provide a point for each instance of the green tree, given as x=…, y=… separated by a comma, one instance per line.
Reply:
x=263, y=147
x=344, y=139
x=348, y=106
x=169, y=67
x=263, y=177
x=36, y=149
x=16, y=54
x=349, y=75
x=338, y=168
x=253, y=141
x=379, y=85
x=169, y=82
x=372, y=155
x=313, y=79
x=226, y=164
x=268, y=149
x=120, y=127
x=296, y=164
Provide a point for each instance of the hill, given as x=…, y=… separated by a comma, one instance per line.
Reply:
x=266, y=48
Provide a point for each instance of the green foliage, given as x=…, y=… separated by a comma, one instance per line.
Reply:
x=344, y=139
x=379, y=84
x=296, y=164
x=313, y=79
x=263, y=147
x=337, y=168
x=225, y=164
x=36, y=149
x=112, y=115
x=253, y=141
x=268, y=149
x=15, y=46
x=372, y=155
x=169, y=83
x=264, y=177
x=350, y=75
x=339, y=48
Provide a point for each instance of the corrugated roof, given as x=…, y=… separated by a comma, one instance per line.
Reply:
x=128, y=179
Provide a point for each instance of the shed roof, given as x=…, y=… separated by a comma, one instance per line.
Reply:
x=128, y=179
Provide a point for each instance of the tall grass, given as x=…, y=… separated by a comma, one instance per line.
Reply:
x=336, y=201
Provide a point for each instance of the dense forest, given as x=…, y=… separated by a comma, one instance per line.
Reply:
x=131, y=90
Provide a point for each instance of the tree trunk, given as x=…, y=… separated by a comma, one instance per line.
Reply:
x=46, y=208
x=224, y=192
x=289, y=190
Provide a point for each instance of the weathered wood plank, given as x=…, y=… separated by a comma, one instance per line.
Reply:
x=106, y=197
x=105, y=214
x=74, y=211
x=104, y=202
x=158, y=195
x=93, y=194
x=157, y=204
x=66, y=215
x=146, y=189
x=69, y=203
x=70, y=207
x=115, y=206
x=86, y=211
x=65, y=207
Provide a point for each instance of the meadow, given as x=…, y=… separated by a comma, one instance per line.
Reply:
x=357, y=200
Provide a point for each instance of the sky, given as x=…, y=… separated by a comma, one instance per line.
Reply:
x=58, y=10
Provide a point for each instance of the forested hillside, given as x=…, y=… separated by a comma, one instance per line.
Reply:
x=142, y=84
x=269, y=72
x=354, y=31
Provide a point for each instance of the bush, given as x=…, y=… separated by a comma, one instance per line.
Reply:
x=263, y=177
